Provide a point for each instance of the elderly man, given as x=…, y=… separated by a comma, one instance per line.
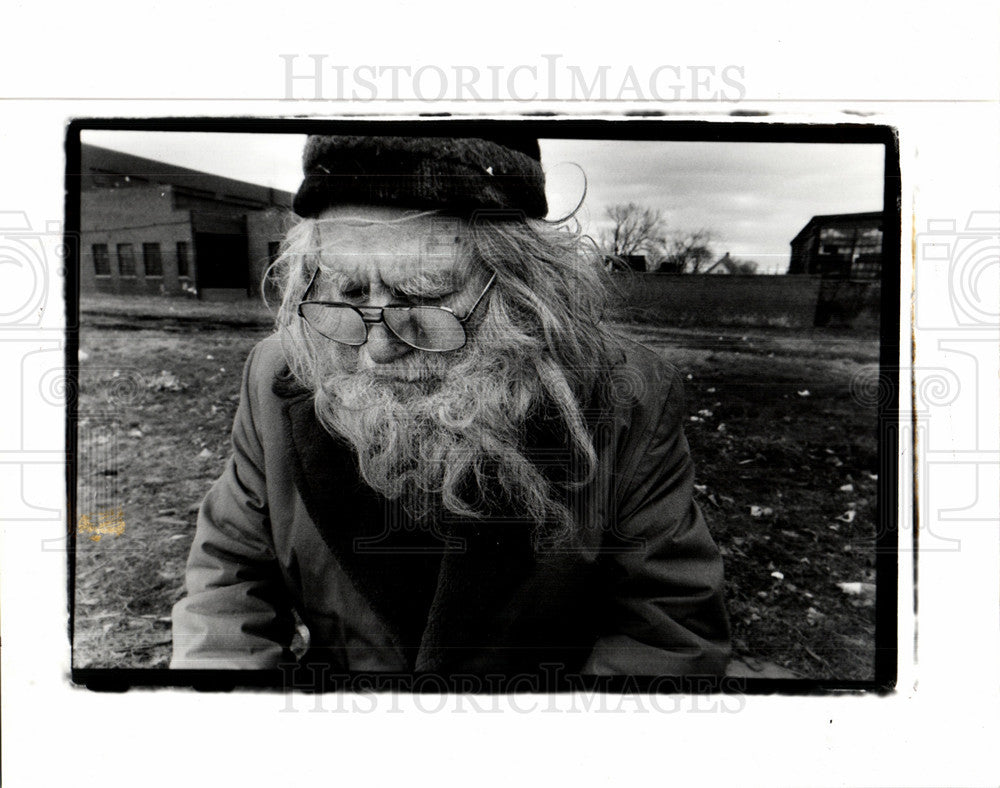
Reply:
x=444, y=461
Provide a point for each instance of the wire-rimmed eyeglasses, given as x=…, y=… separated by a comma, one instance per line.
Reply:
x=435, y=329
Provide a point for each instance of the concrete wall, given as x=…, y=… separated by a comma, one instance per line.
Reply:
x=691, y=299
x=134, y=215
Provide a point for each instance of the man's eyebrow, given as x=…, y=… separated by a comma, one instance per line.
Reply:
x=338, y=279
x=426, y=284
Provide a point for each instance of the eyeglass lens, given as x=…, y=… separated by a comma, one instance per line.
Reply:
x=339, y=323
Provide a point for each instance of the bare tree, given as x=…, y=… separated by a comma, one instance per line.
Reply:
x=688, y=252
x=745, y=267
x=637, y=230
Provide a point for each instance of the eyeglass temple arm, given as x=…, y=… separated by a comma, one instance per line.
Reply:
x=482, y=295
x=312, y=281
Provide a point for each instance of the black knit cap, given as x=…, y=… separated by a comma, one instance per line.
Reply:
x=458, y=175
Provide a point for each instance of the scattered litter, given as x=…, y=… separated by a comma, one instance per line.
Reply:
x=702, y=488
x=848, y=516
x=777, y=575
x=804, y=393
x=858, y=589
x=83, y=355
x=135, y=433
x=813, y=615
x=166, y=381
x=690, y=376
x=697, y=418
x=175, y=537
x=744, y=462
x=760, y=511
x=705, y=412
x=210, y=358
x=711, y=390
x=847, y=488
x=721, y=427
x=205, y=454
x=873, y=477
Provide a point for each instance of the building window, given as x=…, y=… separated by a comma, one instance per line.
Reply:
x=183, y=259
x=152, y=260
x=126, y=260
x=102, y=262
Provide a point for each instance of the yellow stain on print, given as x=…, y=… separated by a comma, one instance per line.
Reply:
x=106, y=522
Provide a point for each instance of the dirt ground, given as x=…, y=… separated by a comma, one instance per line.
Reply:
x=781, y=426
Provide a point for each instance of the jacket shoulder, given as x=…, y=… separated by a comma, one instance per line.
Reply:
x=653, y=382
x=265, y=374
x=649, y=395
x=267, y=357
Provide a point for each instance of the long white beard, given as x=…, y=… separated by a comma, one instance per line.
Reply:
x=431, y=426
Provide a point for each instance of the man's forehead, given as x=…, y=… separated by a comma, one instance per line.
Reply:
x=425, y=247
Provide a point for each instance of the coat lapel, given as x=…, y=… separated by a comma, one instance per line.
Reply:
x=392, y=563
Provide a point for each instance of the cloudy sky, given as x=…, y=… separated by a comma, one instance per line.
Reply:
x=752, y=197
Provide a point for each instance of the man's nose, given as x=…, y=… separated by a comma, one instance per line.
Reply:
x=383, y=346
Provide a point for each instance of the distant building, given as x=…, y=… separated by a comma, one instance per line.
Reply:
x=625, y=262
x=148, y=227
x=839, y=246
x=727, y=265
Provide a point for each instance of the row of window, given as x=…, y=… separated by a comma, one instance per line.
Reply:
x=151, y=257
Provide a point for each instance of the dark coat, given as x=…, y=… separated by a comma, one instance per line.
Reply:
x=289, y=525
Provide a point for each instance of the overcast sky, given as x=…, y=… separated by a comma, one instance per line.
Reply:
x=753, y=197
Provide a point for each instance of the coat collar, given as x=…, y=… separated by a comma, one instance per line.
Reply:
x=438, y=589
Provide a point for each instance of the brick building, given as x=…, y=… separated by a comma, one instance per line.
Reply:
x=148, y=227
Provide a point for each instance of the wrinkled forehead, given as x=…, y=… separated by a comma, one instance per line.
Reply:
x=391, y=246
